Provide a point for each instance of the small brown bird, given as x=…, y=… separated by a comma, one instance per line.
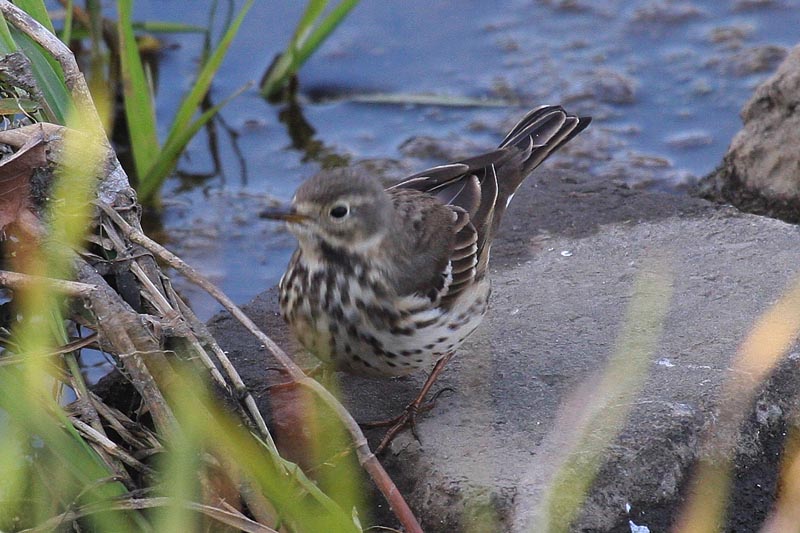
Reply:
x=388, y=281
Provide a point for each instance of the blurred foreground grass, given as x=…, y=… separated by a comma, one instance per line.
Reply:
x=182, y=458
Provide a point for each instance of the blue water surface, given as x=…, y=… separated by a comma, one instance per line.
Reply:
x=682, y=65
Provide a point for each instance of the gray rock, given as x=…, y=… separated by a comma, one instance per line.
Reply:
x=754, y=60
x=667, y=12
x=610, y=86
x=687, y=140
x=761, y=171
x=565, y=269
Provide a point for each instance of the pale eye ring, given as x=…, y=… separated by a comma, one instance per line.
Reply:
x=339, y=211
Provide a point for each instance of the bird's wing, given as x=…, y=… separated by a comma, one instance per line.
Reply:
x=483, y=186
x=476, y=192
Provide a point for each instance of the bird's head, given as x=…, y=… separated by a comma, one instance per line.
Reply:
x=338, y=207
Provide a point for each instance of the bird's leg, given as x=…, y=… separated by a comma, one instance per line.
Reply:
x=409, y=414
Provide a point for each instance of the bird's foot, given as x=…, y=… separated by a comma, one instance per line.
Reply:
x=406, y=419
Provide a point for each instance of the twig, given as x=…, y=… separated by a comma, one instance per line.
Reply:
x=77, y=344
x=167, y=308
x=110, y=447
x=120, y=325
x=365, y=456
x=231, y=518
x=241, y=391
x=71, y=346
x=119, y=423
x=87, y=410
x=16, y=280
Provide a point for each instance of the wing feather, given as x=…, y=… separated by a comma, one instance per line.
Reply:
x=478, y=189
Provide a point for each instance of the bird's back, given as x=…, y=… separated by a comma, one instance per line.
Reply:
x=483, y=186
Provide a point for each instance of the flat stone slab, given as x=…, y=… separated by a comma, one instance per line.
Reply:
x=565, y=269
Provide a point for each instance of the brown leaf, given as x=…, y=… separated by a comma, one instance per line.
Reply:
x=15, y=177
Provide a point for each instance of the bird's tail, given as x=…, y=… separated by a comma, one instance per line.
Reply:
x=538, y=135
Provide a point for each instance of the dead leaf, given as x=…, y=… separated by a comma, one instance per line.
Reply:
x=15, y=178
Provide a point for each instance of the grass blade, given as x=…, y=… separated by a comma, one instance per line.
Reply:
x=139, y=109
x=50, y=78
x=172, y=149
x=183, y=128
x=66, y=34
x=286, y=64
x=13, y=106
x=46, y=70
x=192, y=101
x=324, y=29
x=7, y=42
x=157, y=26
x=304, y=42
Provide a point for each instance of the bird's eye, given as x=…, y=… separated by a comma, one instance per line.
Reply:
x=339, y=211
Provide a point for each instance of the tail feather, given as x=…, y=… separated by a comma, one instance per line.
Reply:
x=542, y=132
x=534, y=138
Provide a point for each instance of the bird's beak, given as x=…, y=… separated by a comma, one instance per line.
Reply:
x=285, y=212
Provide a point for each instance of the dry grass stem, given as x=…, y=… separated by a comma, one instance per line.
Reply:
x=17, y=280
x=226, y=516
x=110, y=447
x=365, y=456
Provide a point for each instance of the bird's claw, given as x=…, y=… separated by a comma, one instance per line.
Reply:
x=408, y=418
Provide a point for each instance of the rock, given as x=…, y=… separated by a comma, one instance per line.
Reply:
x=730, y=37
x=565, y=268
x=610, y=86
x=429, y=148
x=761, y=170
x=754, y=60
x=687, y=140
x=667, y=13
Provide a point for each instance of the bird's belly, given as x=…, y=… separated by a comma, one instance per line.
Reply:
x=367, y=351
x=381, y=342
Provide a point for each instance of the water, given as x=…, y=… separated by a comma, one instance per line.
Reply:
x=664, y=81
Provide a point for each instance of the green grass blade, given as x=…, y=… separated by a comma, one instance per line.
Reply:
x=12, y=106
x=49, y=77
x=293, y=495
x=95, y=11
x=183, y=128
x=7, y=42
x=46, y=70
x=607, y=402
x=38, y=11
x=139, y=109
x=313, y=11
x=66, y=34
x=172, y=149
x=286, y=63
x=192, y=100
x=65, y=469
x=324, y=29
x=305, y=41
